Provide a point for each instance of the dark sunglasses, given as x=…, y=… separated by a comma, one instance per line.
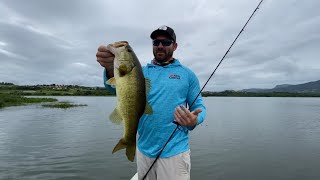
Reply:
x=164, y=42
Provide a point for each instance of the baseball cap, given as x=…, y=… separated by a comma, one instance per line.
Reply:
x=164, y=30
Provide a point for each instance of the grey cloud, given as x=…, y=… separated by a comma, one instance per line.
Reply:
x=56, y=41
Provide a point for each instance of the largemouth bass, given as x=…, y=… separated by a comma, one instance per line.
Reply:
x=131, y=90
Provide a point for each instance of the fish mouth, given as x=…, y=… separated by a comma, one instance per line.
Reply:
x=120, y=44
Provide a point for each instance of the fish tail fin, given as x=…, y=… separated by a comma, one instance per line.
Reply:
x=121, y=145
x=130, y=149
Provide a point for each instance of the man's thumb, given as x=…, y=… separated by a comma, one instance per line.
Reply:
x=197, y=111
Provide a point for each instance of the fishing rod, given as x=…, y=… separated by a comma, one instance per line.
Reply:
x=158, y=156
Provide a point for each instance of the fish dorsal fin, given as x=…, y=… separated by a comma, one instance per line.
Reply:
x=115, y=117
x=148, y=85
x=111, y=82
x=148, y=109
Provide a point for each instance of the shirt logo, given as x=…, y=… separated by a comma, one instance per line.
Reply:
x=174, y=76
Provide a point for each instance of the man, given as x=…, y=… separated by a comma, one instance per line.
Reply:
x=172, y=87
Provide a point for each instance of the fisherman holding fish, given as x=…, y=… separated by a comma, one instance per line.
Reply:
x=149, y=99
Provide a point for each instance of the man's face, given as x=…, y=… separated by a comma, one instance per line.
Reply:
x=162, y=51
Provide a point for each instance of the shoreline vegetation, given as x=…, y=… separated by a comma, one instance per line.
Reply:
x=231, y=93
x=62, y=104
x=15, y=95
x=7, y=100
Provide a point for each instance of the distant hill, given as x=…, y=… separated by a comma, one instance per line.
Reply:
x=309, y=87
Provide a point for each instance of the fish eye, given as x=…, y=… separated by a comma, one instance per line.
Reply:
x=129, y=50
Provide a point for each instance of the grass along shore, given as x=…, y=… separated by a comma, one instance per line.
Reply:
x=7, y=100
x=62, y=104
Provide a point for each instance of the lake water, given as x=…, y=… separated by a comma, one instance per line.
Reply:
x=241, y=138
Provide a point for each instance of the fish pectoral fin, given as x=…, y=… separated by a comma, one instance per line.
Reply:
x=148, y=85
x=115, y=117
x=148, y=109
x=111, y=81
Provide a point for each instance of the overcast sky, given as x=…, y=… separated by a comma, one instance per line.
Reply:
x=46, y=42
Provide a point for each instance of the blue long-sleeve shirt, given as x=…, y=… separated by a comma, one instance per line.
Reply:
x=171, y=86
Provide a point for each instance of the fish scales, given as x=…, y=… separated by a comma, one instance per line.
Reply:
x=131, y=89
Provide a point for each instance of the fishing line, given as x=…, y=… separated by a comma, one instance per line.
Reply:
x=158, y=156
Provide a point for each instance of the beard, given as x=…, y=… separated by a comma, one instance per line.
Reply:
x=161, y=55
